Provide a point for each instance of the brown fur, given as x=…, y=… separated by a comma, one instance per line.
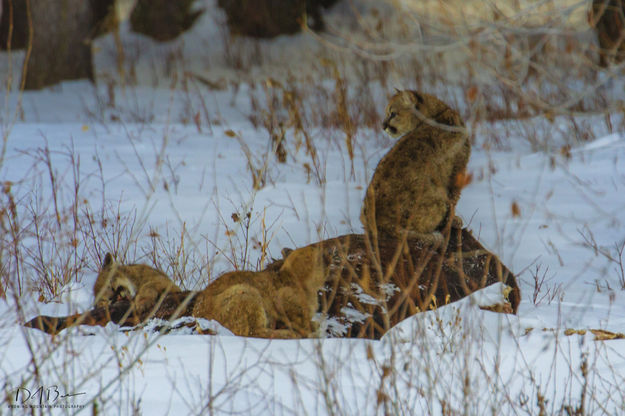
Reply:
x=419, y=180
x=267, y=304
x=142, y=284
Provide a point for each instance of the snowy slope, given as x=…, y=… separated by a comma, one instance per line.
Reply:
x=203, y=178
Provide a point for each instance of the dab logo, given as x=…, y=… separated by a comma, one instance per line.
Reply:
x=42, y=396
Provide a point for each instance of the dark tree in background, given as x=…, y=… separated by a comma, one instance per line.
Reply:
x=163, y=20
x=608, y=19
x=57, y=35
x=13, y=14
x=270, y=18
x=61, y=43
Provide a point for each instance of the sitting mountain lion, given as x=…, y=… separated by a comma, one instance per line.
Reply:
x=418, y=182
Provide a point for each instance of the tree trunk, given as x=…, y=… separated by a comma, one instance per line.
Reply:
x=608, y=19
x=13, y=25
x=367, y=293
x=61, y=42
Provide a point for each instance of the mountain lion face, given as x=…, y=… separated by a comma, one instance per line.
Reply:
x=140, y=283
x=401, y=114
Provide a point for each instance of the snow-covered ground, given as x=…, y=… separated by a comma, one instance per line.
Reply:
x=174, y=186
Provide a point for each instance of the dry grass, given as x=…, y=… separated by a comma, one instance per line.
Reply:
x=522, y=69
x=498, y=72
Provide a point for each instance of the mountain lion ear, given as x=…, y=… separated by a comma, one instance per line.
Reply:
x=417, y=97
x=407, y=98
x=108, y=260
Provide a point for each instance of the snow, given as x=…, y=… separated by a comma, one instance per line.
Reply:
x=144, y=160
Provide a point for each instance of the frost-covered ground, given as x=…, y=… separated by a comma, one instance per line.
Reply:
x=556, y=217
